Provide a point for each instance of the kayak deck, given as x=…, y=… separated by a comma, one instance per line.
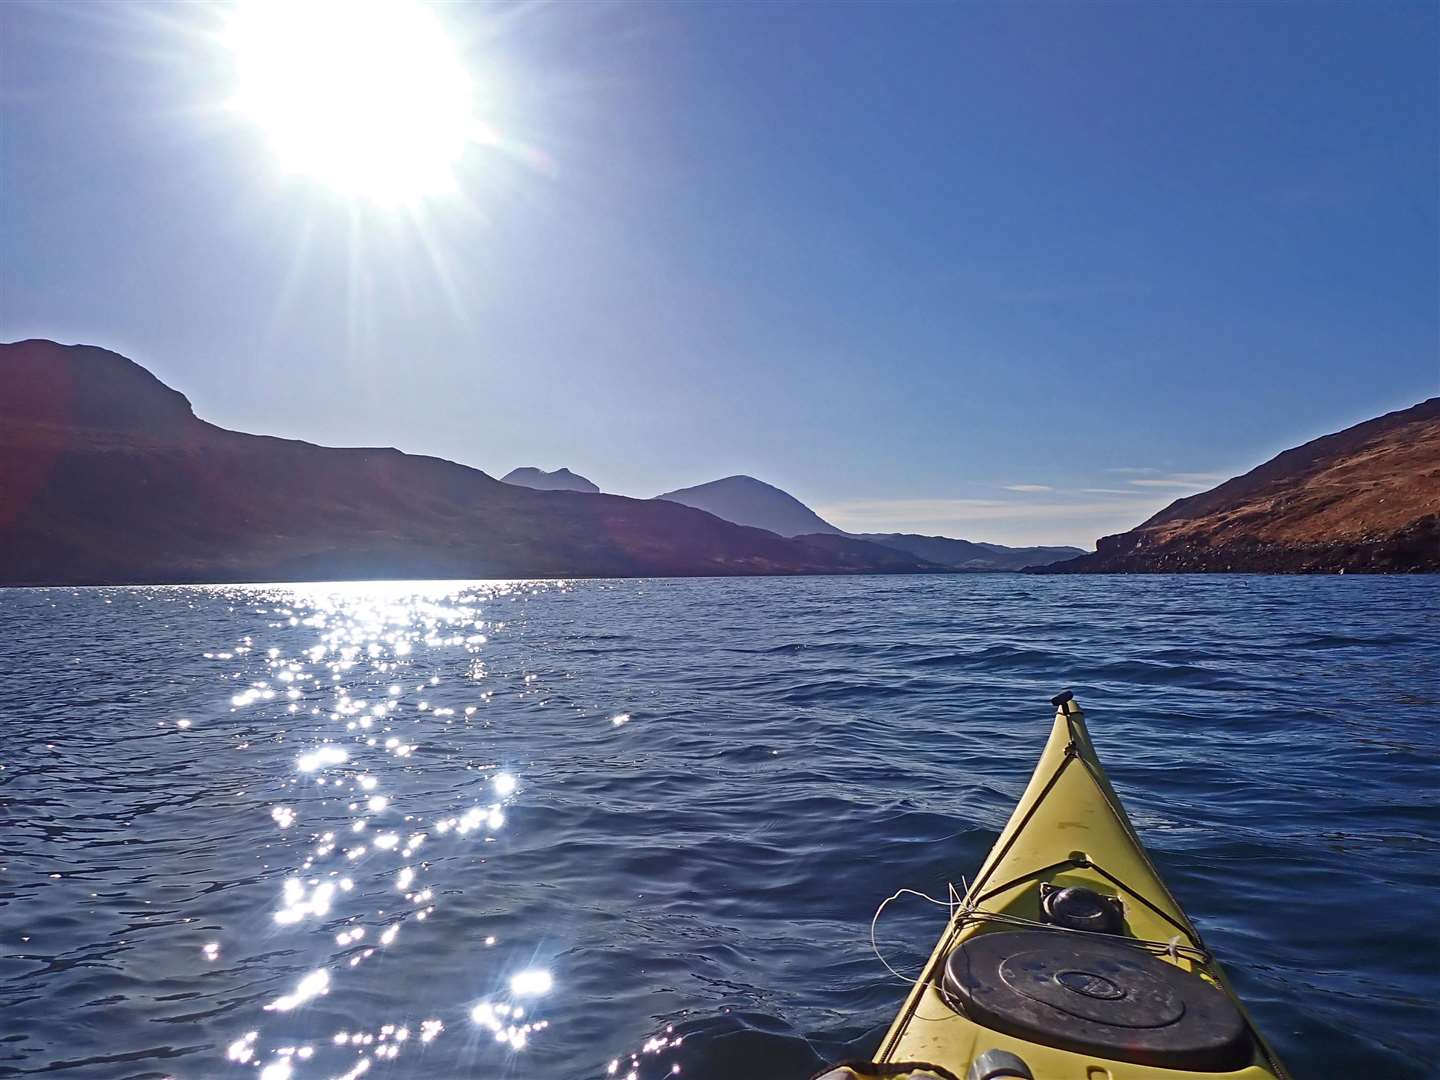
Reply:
x=1143, y=999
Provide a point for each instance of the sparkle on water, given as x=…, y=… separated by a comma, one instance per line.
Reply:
x=412, y=816
x=531, y=982
x=362, y=635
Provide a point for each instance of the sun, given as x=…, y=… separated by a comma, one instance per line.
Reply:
x=366, y=96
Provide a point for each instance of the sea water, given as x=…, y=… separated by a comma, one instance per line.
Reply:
x=634, y=828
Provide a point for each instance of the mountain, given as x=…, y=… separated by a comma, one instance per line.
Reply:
x=559, y=480
x=886, y=558
x=968, y=555
x=1366, y=498
x=107, y=476
x=747, y=501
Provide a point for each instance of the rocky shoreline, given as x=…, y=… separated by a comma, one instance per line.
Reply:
x=1363, y=500
x=1412, y=550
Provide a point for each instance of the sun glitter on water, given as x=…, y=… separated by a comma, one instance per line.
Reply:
x=366, y=96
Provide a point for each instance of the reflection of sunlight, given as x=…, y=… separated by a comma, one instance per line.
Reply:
x=242, y=1049
x=531, y=983
x=312, y=985
x=318, y=759
x=504, y=1021
x=298, y=903
x=371, y=678
x=254, y=694
x=492, y=818
x=655, y=1045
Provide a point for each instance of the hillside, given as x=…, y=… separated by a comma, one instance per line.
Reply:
x=557, y=480
x=747, y=501
x=1363, y=499
x=968, y=555
x=107, y=476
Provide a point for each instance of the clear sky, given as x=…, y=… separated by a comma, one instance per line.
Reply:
x=1019, y=272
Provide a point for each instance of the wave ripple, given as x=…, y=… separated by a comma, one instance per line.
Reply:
x=590, y=829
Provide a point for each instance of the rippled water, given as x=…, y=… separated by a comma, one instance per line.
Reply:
x=537, y=829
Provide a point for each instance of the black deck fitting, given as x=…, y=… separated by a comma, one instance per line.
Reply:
x=1062, y=697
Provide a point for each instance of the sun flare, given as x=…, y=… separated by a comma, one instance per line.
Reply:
x=367, y=96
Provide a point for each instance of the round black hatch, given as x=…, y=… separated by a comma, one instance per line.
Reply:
x=1096, y=995
x=1079, y=908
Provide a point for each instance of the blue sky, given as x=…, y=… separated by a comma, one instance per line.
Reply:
x=1013, y=272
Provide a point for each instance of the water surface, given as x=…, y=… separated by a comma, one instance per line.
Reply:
x=623, y=827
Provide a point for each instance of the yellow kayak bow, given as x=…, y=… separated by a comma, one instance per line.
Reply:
x=1067, y=958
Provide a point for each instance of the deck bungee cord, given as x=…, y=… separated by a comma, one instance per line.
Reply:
x=1066, y=958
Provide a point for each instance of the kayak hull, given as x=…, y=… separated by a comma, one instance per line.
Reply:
x=1069, y=831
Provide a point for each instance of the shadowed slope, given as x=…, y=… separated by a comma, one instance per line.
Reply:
x=107, y=476
x=747, y=501
x=968, y=555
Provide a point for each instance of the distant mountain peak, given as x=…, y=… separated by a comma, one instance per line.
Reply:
x=970, y=554
x=108, y=477
x=742, y=479
x=748, y=501
x=561, y=479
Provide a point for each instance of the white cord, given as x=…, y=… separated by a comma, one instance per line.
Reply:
x=955, y=904
x=874, y=919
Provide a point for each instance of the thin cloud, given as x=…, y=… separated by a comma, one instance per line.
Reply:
x=1064, y=516
x=962, y=510
x=1182, y=480
x=1058, y=520
x=1151, y=477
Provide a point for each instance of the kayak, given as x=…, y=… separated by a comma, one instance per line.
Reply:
x=1067, y=958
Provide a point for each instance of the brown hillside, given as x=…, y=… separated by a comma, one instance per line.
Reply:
x=1366, y=498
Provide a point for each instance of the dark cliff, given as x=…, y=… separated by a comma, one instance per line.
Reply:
x=107, y=476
